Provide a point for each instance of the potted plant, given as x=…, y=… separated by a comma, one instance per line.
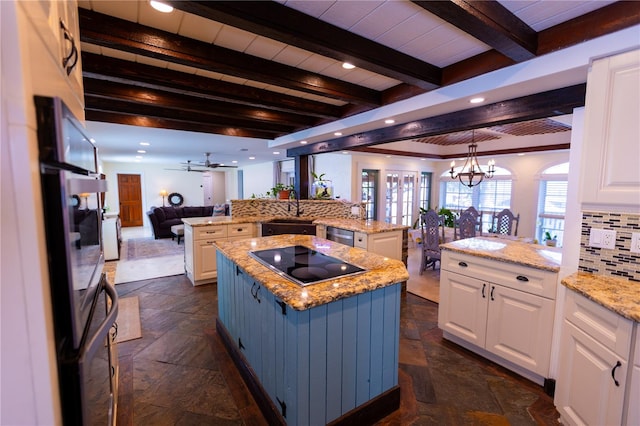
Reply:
x=449, y=217
x=321, y=188
x=281, y=191
x=549, y=240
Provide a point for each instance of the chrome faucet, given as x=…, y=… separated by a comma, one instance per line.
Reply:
x=295, y=195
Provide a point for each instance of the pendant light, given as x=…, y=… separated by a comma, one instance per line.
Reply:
x=471, y=173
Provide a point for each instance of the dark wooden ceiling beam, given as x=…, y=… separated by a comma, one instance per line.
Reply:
x=489, y=22
x=614, y=17
x=96, y=103
x=279, y=22
x=393, y=152
x=119, y=34
x=133, y=73
x=142, y=121
x=541, y=105
x=172, y=101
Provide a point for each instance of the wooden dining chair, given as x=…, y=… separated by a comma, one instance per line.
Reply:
x=467, y=225
x=430, y=224
x=478, y=216
x=504, y=221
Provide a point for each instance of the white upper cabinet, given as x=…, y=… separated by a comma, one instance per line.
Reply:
x=610, y=172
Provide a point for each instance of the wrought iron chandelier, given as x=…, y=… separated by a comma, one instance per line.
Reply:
x=471, y=174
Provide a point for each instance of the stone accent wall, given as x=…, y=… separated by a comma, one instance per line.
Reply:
x=619, y=262
x=308, y=208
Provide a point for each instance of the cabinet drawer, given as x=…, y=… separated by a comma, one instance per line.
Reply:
x=605, y=326
x=210, y=232
x=241, y=230
x=519, y=277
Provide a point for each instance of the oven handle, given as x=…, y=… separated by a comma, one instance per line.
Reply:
x=98, y=338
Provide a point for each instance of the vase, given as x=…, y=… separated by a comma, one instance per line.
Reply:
x=284, y=194
x=322, y=189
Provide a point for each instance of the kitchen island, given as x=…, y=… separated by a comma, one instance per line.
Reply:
x=319, y=353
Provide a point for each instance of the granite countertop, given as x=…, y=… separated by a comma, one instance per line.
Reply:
x=616, y=294
x=359, y=225
x=381, y=271
x=504, y=250
x=218, y=220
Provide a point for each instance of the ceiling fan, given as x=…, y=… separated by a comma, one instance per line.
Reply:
x=209, y=164
x=187, y=168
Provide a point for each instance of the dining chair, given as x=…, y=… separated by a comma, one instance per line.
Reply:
x=504, y=221
x=430, y=224
x=467, y=225
x=478, y=216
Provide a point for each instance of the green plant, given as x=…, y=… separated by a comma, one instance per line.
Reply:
x=278, y=187
x=547, y=236
x=449, y=217
x=316, y=176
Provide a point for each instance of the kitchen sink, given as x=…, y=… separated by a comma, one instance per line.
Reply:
x=288, y=226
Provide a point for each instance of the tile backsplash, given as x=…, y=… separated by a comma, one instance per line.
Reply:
x=619, y=262
x=308, y=208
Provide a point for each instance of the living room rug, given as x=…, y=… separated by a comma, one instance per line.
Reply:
x=145, y=269
x=144, y=248
x=128, y=319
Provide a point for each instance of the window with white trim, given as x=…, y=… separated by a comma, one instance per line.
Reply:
x=552, y=202
x=492, y=195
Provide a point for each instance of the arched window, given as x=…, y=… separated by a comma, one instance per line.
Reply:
x=552, y=202
x=492, y=195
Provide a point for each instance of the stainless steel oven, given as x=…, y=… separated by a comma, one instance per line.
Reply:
x=339, y=235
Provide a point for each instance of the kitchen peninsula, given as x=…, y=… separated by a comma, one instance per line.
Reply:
x=497, y=298
x=316, y=353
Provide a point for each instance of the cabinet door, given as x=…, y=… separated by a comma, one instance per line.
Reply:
x=463, y=307
x=611, y=134
x=520, y=327
x=204, y=261
x=586, y=393
x=387, y=244
x=188, y=251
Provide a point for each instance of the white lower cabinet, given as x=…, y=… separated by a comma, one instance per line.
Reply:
x=507, y=320
x=200, y=249
x=388, y=244
x=594, y=363
x=633, y=413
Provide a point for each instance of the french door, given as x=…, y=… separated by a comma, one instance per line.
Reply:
x=401, y=195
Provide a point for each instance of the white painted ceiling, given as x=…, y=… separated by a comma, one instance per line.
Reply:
x=400, y=25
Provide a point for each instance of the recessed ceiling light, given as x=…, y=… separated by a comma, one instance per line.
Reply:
x=348, y=66
x=521, y=154
x=161, y=7
x=252, y=158
x=337, y=134
x=145, y=143
x=235, y=161
x=303, y=142
x=142, y=151
x=92, y=140
x=345, y=152
x=389, y=121
x=476, y=100
x=276, y=152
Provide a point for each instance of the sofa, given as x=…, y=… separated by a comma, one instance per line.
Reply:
x=163, y=218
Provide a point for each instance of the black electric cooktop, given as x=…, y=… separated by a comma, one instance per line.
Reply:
x=303, y=265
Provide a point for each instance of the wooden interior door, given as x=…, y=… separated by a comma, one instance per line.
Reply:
x=130, y=195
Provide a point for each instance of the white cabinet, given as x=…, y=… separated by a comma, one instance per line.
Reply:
x=595, y=354
x=111, y=238
x=633, y=413
x=54, y=51
x=499, y=310
x=388, y=244
x=200, y=249
x=611, y=176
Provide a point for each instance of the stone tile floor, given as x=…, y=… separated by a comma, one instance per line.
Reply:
x=178, y=373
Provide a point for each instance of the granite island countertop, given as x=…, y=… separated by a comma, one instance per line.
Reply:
x=616, y=294
x=359, y=225
x=218, y=220
x=504, y=250
x=380, y=271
